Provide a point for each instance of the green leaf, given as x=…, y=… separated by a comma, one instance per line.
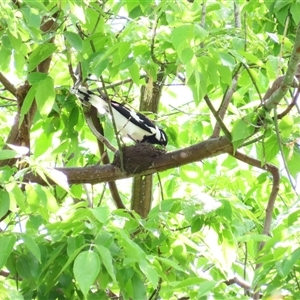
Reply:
x=36, y=77
x=45, y=96
x=192, y=281
x=149, y=272
x=272, y=66
x=107, y=261
x=186, y=55
x=292, y=156
x=212, y=71
x=40, y=54
x=4, y=202
x=290, y=261
x=5, y=55
x=42, y=144
x=271, y=148
x=180, y=37
x=225, y=74
x=7, y=154
x=86, y=269
x=58, y=177
x=52, y=205
x=17, y=195
x=206, y=287
x=138, y=286
x=170, y=263
x=16, y=42
x=135, y=73
x=74, y=40
x=295, y=11
x=252, y=58
x=282, y=11
x=27, y=102
x=7, y=244
x=286, y=126
x=56, y=251
x=197, y=224
x=123, y=49
x=102, y=214
x=74, y=243
x=32, y=17
x=32, y=246
x=279, y=4
x=240, y=132
x=252, y=237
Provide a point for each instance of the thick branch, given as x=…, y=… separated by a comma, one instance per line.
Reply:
x=106, y=173
x=142, y=197
x=7, y=84
x=95, y=123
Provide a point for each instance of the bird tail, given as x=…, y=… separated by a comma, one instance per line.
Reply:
x=83, y=94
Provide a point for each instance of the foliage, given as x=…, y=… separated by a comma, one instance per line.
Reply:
x=207, y=221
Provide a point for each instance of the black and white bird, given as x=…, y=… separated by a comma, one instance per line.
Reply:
x=129, y=123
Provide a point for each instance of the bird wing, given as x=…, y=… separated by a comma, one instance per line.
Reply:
x=136, y=118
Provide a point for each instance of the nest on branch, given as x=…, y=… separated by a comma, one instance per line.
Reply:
x=137, y=158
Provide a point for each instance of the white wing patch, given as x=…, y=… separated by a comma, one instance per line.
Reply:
x=128, y=122
x=128, y=129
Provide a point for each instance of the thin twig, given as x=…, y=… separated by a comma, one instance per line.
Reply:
x=114, y=125
x=217, y=117
x=275, y=187
x=99, y=136
x=281, y=150
x=239, y=281
x=237, y=15
x=280, y=60
x=290, y=106
x=89, y=200
x=254, y=82
x=153, y=41
x=203, y=18
x=271, y=201
x=8, y=105
x=160, y=187
x=245, y=262
x=225, y=102
x=259, y=138
x=8, y=99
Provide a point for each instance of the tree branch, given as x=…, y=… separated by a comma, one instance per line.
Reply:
x=100, y=137
x=7, y=84
x=288, y=79
x=96, y=174
x=225, y=102
x=92, y=117
x=275, y=188
x=217, y=117
x=271, y=202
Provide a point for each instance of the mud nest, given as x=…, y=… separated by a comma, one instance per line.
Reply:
x=137, y=158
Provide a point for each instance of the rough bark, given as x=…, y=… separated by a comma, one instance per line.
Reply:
x=141, y=198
